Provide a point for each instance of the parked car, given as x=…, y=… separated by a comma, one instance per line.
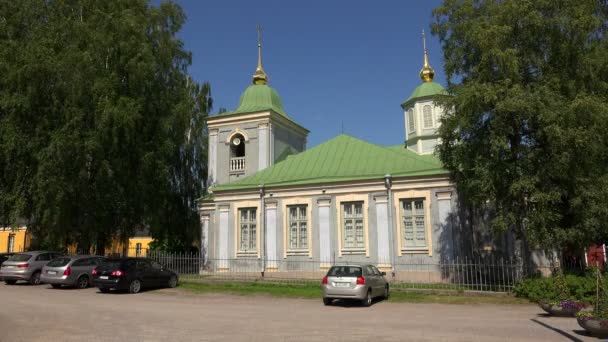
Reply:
x=26, y=266
x=360, y=282
x=132, y=274
x=70, y=271
x=3, y=258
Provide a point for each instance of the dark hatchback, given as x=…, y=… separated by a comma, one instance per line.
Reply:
x=3, y=258
x=132, y=274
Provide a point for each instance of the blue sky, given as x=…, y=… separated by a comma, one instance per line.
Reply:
x=335, y=64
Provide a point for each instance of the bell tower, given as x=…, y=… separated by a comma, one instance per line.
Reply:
x=257, y=134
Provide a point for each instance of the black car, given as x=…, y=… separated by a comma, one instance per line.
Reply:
x=132, y=274
x=3, y=258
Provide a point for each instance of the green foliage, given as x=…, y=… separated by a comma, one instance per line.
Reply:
x=557, y=288
x=563, y=291
x=101, y=128
x=601, y=308
x=528, y=133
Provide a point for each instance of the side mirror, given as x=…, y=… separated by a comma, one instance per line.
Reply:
x=383, y=273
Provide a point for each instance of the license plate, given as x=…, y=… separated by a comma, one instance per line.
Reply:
x=51, y=272
x=103, y=277
x=342, y=284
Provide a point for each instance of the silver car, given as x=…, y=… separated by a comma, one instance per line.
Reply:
x=26, y=266
x=71, y=271
x=360, y=282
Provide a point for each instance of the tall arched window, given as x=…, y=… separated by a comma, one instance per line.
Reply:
x=427, y=116
x=237, y=153
x=411, y=123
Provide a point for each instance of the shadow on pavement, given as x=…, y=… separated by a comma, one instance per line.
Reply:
x=351, y=303
x=559, y=331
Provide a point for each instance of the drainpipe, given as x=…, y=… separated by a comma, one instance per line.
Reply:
x=388, y=183
x=263, y=227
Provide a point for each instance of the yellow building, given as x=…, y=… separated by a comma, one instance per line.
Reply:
x=14, y=240
x=135, y=246
x=139, y=246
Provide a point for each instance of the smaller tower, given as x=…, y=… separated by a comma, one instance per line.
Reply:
x=420, y=112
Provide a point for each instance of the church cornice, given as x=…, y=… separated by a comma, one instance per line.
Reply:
x=240, y=118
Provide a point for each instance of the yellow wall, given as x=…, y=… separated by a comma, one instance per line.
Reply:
x=145, y=245
x=116, y=246
x=22, y=239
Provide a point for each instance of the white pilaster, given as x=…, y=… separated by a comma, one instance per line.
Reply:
x=205, y=239
x=271, y=235
x=212, y=167
x=263, y=142
x=223, y=237
x=382, y=226
x=444, y=206
x=324, y=232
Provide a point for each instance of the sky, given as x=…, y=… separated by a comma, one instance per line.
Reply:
x=339, y=66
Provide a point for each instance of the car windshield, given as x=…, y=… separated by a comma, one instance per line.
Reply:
x=20, y=257
x=345, y=271
x=59, y=262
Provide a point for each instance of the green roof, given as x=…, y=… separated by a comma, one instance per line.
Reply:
x=257, y=98
x=343, y=158
x=426, y=89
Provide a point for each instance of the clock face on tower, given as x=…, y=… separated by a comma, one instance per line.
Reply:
x=236, y=141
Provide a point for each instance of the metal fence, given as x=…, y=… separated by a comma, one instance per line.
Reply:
x=457, y=275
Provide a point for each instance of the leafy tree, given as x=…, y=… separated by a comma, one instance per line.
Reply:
x=527, y=136
x=101, y=128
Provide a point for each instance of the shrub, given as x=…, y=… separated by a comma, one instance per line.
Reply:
x=601, y=307
x=536, y=289
x=557, y=288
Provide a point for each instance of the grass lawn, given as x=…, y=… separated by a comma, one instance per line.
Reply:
x=314, y=292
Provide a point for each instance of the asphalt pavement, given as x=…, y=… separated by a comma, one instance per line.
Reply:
x=40, y=313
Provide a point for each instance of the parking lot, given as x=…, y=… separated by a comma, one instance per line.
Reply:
x=40, y=313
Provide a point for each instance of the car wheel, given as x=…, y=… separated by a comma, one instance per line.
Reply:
x=368, y=298
x=82, y=282
x=10, y=282
x=56, y=286
x=102, y=290
x=172, y=282
x=386, y=292
x=35, y=279
x=135, y=286
x=327, y=301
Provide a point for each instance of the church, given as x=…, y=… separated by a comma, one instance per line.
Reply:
x=273, y=202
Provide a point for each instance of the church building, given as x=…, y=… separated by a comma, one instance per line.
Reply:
x=275, y=203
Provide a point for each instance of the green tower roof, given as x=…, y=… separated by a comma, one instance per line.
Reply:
x=426, y=89
x=257, y=98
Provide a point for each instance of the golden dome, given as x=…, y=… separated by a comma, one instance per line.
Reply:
x=260, y=77
x=427, y=73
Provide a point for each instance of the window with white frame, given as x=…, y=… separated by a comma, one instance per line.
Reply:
x=413, y=223
x=353, y=233
x=298, y=227
x=138, y=249
x=11, y=243
x=247, y=230
x=411, y=123
x=427, y=116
